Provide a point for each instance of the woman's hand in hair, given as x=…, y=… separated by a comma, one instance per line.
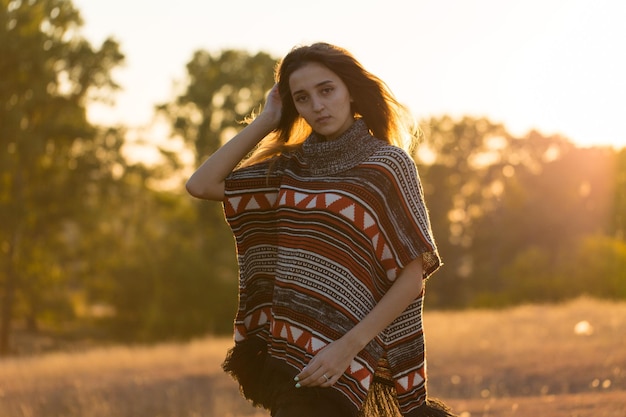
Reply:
x=272, y=110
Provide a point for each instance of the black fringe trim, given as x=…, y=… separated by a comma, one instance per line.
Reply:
x=264, y=384
x=246, y=363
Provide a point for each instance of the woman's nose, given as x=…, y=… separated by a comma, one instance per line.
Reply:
x=317, y=104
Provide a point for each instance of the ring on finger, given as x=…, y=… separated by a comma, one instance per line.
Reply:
x=325, y=377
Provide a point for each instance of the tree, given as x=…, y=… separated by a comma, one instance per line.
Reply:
x=501, y=206
x=48, y=163
x=557, y=196
x=598, y=267
x=619, y=205
x=145, y=267
x=461, y=165
x=223, y=90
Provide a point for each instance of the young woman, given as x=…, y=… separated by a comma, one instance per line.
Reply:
x=333, y=242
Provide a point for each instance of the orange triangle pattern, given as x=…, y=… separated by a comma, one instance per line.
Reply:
x=297, y=336
x=347, y=208
x=258, y=319
x=361, y=374
x=249, y=202
x=408, y=382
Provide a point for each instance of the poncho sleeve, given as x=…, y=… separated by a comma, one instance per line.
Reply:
x=405, y=221
x=406, y=226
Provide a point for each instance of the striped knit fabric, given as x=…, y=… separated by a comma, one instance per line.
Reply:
x=321, y=235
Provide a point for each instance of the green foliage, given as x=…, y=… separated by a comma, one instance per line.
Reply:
x=223, y=90
x=597, y=268
x=619, y=192
x=506, y=211
x=48, y=73
x=157, y=279
x=594, y=266
x=463, y=182
x=531, y=276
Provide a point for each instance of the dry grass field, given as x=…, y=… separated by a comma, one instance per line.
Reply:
x=565, y=360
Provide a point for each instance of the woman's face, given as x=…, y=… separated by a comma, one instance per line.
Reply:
x=322, y=99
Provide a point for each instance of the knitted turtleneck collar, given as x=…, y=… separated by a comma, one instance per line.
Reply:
x=326, y=157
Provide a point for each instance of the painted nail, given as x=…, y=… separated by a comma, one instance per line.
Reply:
x=295, y=378
x=298, y=385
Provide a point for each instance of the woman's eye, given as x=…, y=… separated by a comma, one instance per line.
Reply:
x=327, y=90
x=300, y=99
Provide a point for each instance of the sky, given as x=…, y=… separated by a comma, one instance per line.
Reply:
x=556, y=66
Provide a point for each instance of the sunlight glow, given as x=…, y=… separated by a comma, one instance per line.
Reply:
x=555, y=66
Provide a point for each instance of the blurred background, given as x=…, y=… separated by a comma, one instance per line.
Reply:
x=106, y=107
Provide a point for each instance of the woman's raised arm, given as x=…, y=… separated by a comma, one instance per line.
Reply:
x=207, y=182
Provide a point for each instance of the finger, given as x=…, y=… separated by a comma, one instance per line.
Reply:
x=304, y=374
x=310, y=377
x=315, y=380
x=304, y=378
x=310, y=381
x=320, y=381
x=327, y=381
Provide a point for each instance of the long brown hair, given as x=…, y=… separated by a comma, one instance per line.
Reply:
x=385, y=117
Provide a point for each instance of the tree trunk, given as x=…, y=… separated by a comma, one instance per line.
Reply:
x=11, y=278
x=8, y=298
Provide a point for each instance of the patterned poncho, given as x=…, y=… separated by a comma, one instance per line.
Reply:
x=321, y=235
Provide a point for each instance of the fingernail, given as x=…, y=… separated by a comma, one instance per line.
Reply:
x=298, y=385
x=295, y=378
